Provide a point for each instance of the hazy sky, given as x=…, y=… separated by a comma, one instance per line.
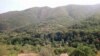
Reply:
x=11, y=5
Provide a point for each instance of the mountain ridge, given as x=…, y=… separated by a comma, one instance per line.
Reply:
x=59, y=16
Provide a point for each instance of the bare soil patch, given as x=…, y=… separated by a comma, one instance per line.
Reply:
x=28, y=54
x=98, y=54
x=64, y=54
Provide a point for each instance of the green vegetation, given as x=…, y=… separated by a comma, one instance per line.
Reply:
x=83, y=51
x=76, y=33
x=59, y=42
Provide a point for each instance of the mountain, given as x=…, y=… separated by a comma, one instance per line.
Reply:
x=90, y=24
x=46, y=18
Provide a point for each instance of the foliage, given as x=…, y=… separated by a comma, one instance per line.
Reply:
x=83, y=51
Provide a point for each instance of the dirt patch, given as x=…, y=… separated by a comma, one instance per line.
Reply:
x=28, y=54
x=64, y=54
x=98, y=54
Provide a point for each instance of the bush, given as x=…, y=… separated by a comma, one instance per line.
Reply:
x=46, y=51
x=83, y=51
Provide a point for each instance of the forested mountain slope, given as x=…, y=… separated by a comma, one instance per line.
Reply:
x=72, y=29
x=53, y=18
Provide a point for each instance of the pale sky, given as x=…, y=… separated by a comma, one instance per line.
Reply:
x=12, y=5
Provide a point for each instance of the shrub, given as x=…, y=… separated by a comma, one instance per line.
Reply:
x=46, y=51
x=83, y=51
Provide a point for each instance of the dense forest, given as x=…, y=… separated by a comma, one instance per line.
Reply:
x=73, y=32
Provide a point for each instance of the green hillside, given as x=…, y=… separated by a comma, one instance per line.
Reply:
x=72, y=29
x=55, y=17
